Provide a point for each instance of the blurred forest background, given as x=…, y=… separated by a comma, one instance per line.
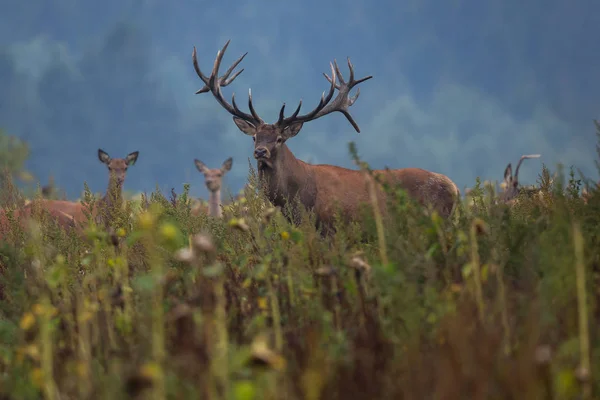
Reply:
x=461, y=88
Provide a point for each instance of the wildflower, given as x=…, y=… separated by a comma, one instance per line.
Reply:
x=239, y=224
x=262, y=355
x=32, y=351
x=168, y=231
x=185, y=255
x=359, y=264
x=285, y=235
x=27, y=321
x=244, y=390
x=121, y=232
x=150, y=371
x=146, y=220
x=37, y=377
x=262, y=303
x=60, y=259
x=37, y=309
x=268, y=214
x=203, y=243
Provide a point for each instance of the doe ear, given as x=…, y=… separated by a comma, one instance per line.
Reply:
x=247, y=127
x=132, y=158
x=292, y=130
x=200, y=165
x=227, y=165
x=508, y=172
x=103, y=156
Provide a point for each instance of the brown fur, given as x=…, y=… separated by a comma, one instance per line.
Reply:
x=69, y=214
x=321, y=188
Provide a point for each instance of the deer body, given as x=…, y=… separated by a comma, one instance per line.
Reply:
x=58, y=212
x=71, y=215
x=322, y=188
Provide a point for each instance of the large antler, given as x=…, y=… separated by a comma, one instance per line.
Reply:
x=524, y=157
x=341, y=103
x=214, y=83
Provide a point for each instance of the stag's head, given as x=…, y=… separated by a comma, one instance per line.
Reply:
x=511, y=182
x=268, y=138
x=213, y=178
x=117, y=167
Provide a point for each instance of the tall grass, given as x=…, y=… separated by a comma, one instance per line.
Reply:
x=497, y=303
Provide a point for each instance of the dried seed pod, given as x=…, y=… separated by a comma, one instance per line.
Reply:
x=203, y=243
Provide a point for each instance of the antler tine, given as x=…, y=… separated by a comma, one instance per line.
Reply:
x=281, y=112
x=214, y=83
x=343, y=100
x=524, y=157
x=251, y=106
x=311, y=115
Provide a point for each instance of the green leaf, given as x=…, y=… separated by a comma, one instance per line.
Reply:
x=244, y=390
x=296, y=236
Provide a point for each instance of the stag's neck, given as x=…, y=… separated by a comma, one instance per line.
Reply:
x=287, y=178
x=214, y=204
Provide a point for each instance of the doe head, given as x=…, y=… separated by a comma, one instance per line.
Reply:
x=117, y=167
x=510, y=183
x=213, y=178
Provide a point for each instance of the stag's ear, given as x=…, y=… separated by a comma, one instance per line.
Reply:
x=227, y=165
x=247, y=127
x=292, y=130
x=200, y=165
x=132, y=158
x=508, y=172
x=103, y=156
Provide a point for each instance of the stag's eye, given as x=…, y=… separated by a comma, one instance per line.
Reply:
x=254, y=138
x=279, y=140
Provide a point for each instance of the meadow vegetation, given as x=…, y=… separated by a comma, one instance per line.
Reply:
x=497, y=303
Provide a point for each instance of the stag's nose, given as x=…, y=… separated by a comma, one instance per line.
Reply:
x=260, y=152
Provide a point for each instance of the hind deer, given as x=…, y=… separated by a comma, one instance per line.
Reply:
x=511, y=186
x=71, y=214
x=213, y=178
x=319, y=187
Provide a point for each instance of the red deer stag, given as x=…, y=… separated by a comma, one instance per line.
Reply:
x=213, y=178
x=318, y=187
x=71, y=214
x=511, y=186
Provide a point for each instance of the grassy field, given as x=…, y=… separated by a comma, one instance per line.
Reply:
x=498, y=303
